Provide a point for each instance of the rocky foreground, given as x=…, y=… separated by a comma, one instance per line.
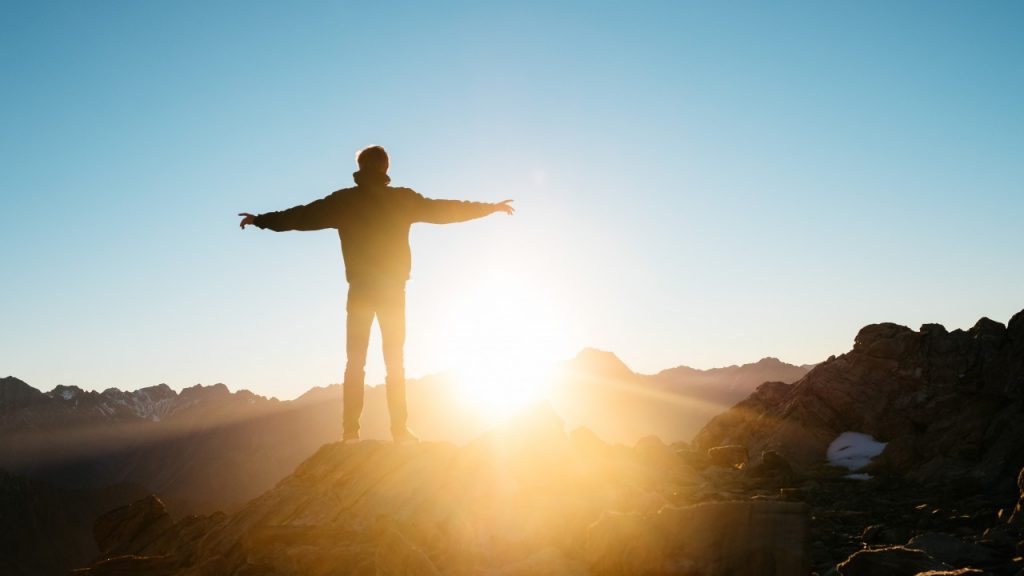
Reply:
x=753, y=494
x=530, y=499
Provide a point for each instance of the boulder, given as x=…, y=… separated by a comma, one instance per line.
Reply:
x=142, y=539
x=892, y=561
x=887, y=340
x=134, y=529
x=772, y=464
x=733, y=456
x=951, y=550
x=881, y=534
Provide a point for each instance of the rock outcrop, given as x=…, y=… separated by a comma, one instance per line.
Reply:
x=893, y=561
x=47, y=529
x=523, y=499
x=950, y=405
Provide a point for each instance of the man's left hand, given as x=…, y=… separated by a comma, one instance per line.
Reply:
x=248, y=220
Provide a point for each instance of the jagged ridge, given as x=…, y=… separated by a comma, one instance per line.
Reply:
x=949, y=404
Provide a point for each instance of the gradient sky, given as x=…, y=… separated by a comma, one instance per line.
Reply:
x=696, y=183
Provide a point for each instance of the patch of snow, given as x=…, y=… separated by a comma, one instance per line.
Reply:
x=853, y=450
x=67, y=394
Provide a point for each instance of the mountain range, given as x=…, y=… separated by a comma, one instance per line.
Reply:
x=598, y=391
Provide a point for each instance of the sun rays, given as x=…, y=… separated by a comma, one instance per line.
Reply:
x=507, y=339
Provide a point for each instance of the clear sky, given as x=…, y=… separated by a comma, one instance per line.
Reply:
x=700, y=183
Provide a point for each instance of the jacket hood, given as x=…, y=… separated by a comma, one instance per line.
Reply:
x=367, y=178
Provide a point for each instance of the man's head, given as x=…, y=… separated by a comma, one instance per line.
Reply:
x=373, y=159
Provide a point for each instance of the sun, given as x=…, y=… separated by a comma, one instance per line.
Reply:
x=507, y=341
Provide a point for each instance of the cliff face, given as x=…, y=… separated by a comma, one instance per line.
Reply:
x=950, y=405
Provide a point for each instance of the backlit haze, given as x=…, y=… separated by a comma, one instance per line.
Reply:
x=695, y=183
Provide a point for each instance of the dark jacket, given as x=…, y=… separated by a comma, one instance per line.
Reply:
x=373, y=221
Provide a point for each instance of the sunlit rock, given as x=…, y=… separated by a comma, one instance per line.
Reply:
x=517, y=500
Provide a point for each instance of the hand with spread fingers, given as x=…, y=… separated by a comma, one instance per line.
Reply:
x=505, y=207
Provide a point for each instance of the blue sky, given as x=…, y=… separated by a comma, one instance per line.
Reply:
x=696, y=183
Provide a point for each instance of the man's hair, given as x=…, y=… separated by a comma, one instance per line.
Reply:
x=373, y=158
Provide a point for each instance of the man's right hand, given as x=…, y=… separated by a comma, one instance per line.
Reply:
x=248, y=220
x=504, y=206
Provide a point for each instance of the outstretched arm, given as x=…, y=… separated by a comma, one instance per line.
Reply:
x=316, y=215
x=450, y=211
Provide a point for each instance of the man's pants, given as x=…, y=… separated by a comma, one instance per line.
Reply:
x=387, y=303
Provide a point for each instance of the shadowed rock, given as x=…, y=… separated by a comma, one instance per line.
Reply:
x=133, y=529
x=733, y=456
x=951, y=550
x=893, y=561
x=947, y=403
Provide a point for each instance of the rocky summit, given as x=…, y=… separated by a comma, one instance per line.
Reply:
x=524, y=499
x=208, y=449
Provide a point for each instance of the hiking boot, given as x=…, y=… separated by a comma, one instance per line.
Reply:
x=405, y=438
x=350, y=438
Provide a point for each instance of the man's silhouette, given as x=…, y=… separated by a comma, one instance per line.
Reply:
x=373, y=221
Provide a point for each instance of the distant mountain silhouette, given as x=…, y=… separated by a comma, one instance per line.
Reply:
x=597, y=390
x=72, y=454
x=204, y=448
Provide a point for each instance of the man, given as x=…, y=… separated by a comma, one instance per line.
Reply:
x=373, y=221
